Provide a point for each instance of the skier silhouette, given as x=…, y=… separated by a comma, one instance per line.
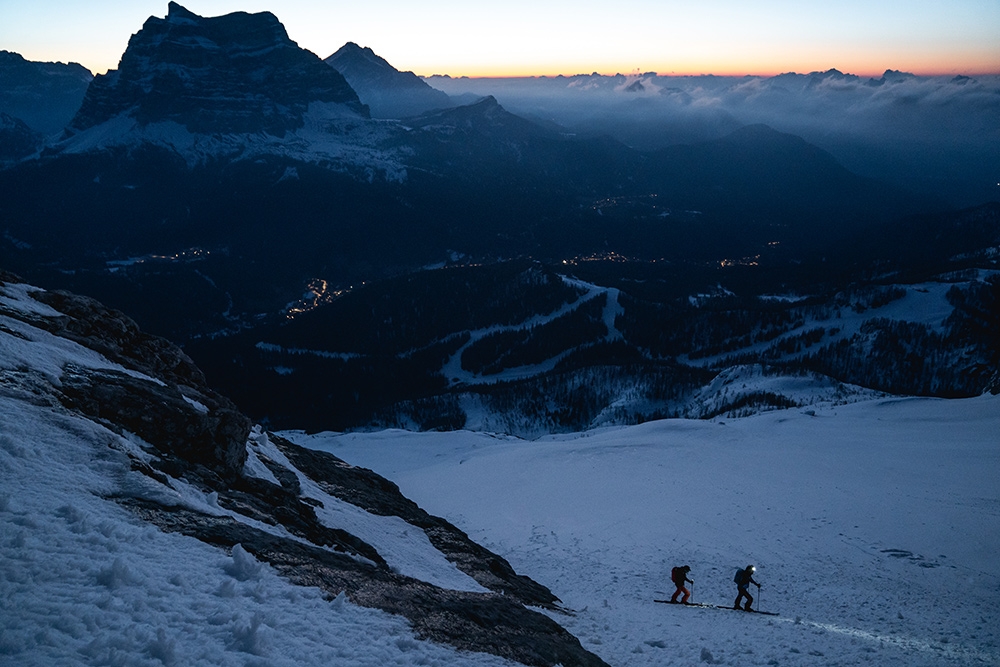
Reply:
x=743, y=579
x=678, y=575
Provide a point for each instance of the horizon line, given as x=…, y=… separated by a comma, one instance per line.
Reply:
x=882, y=73
x=872, y=74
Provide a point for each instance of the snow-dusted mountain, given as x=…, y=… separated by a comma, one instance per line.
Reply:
x=144, y=521
x=219, y=138
x=388, y=92
x=227, y=87
x=234, y=73
x=224, y=163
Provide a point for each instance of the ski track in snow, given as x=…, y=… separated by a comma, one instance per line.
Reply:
x=874, y=527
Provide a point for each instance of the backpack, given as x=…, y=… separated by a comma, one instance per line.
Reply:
x=675, y=575
x=739, y=577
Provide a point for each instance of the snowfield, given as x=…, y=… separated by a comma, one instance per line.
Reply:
x=875, y=528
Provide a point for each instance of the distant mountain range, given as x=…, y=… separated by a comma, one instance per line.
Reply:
x=44, y=96
x=223, y=163
x=936, y=134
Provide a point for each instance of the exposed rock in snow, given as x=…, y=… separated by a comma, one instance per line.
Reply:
x=133, y=417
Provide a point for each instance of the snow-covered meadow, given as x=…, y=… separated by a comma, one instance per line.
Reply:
x=875, y=528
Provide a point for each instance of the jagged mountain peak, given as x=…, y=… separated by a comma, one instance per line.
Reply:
x=389, y=92
x=228, y=74
x=177, y=13
x=15, y=68
x=354, y=49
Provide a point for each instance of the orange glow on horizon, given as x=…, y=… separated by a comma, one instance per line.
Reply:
x=922, y=65
x=928, y=65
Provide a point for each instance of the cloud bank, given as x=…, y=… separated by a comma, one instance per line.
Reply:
x=938, y=132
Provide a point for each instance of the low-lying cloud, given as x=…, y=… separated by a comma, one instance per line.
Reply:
x=941, y=132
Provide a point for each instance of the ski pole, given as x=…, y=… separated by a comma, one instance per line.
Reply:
x=760, y=604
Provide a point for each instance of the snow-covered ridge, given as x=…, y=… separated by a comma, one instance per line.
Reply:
x=406, y=549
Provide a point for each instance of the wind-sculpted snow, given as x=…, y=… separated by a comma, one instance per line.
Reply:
x=143, y=521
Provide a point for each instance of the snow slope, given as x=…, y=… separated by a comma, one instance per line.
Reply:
x=83, y=581
x=874, y=527
x=330, y=136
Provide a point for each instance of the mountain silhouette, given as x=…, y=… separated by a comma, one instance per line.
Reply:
x=388, y=92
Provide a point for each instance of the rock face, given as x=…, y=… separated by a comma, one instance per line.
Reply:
x=42, y=95
x=271, y=497
x=17, y=140
x=237, y=73
x=177, y=413
x=387, y=91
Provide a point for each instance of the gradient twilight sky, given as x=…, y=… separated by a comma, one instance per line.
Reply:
x=529, y=37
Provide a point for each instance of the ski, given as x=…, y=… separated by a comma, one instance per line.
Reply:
x=686, y=604
x=717, y=606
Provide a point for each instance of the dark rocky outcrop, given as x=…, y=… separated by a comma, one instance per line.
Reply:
x=229, y=74
x=379, y=496
x=189, y=432
x=172, y=407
